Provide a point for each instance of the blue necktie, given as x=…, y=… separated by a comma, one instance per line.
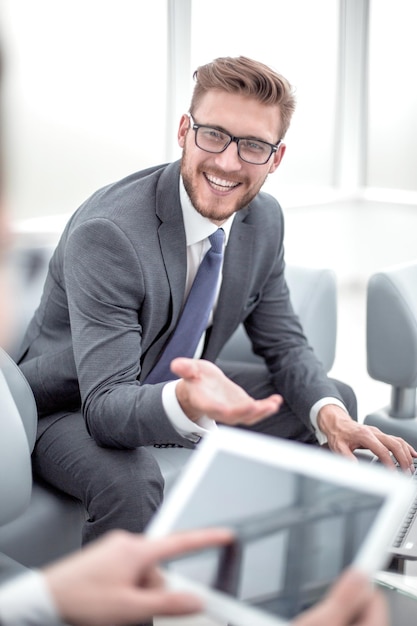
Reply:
x=195, y=314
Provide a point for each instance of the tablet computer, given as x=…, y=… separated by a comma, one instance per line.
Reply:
x=300, y=515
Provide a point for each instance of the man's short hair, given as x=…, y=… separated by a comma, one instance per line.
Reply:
x=247, y=77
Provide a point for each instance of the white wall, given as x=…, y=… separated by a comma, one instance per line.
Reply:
x=299, y=39
x=87, y=103
x=86, y=97
x=393, y=95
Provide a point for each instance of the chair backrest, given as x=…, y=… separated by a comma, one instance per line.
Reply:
x=314, y=298
x=391, y=347
x=30, y=267
x=17, y=435
x=391, y=326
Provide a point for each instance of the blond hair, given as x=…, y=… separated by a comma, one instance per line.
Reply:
x=247, y=77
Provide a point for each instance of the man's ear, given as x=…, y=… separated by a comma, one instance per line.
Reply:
x=183, y=129
x=277, y=157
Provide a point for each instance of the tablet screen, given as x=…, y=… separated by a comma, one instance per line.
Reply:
x=298, y=518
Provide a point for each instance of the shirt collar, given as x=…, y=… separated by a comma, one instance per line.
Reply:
x=196, y=226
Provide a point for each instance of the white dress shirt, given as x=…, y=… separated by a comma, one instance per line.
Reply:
x=26, y=601
x=197, y=232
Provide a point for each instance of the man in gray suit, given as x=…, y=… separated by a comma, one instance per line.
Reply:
x=115, y=290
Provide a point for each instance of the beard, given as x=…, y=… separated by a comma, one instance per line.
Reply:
x=219, y=209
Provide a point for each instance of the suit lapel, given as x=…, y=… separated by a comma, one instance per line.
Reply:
x=172, y=242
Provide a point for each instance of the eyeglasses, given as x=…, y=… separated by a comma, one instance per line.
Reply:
x=252, y=151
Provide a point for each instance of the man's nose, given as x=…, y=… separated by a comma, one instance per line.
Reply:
x=229, y=159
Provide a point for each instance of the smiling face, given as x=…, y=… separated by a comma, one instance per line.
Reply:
x=221, y=184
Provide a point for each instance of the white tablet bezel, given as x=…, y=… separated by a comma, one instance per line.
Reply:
x=373, y=554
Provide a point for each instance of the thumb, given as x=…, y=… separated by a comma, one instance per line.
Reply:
x=184, y=367
x=344, y=602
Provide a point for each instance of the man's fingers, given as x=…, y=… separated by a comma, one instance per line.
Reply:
x=386, y=446
x=163, y=602
x=352, y=436
x=361, y=603
x=402, y=451
x=164, y=548
x=351, y=601
x=184, y=367
x=264, y=408
x=248, y=411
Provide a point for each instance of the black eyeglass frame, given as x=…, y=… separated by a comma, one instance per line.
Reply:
x=273, y=146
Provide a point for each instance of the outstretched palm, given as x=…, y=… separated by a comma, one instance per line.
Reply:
x=205, y=390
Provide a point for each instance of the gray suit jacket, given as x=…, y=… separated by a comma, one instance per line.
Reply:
x=113, y=295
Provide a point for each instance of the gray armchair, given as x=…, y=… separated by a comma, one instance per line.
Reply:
x=45, y=523
x=391, y=342
x=37, y=522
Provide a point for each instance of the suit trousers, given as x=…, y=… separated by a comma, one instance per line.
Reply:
x=122, y=488
x=10, y=568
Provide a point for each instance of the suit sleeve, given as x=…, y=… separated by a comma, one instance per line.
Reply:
x=277, y=335
x=106, y=292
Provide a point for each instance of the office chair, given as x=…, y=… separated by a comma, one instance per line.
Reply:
x=37, y=522
x=15, y=467
x=391, y=343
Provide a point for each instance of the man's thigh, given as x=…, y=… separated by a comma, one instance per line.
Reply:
x=119, y=487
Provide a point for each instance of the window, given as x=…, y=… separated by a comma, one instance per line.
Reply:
x=299, y=39
x=86, y=98
x=392, y=141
